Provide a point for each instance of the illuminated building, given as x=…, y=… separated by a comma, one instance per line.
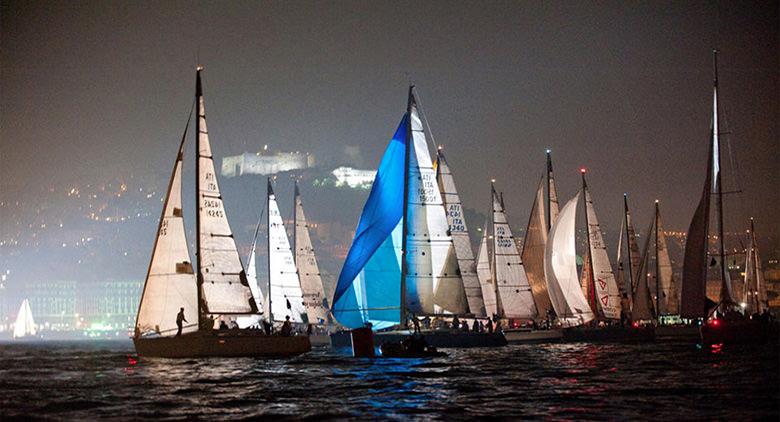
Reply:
x=263, y=163
x=354, y=178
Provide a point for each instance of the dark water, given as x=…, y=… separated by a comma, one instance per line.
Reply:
x=88, y=380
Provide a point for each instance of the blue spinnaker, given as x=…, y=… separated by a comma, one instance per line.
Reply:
x=369, y=286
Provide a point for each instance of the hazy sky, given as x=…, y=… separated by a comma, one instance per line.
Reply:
x=92, y=89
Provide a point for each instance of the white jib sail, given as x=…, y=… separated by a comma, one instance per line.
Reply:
x=514, y=291
x=251, y=275
x=607, y=293
x=533, y=253
x=24, y=325
x=460, y=237
x=308, y=271
x=485, y=274
x=286, y=295
x=170, y=282
x=560, y=269
x=433, y=284
x=224, y=285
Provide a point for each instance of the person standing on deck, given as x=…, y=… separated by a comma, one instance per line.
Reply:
x=179, y=320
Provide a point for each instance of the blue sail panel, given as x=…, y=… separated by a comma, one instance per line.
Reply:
x=369, y=286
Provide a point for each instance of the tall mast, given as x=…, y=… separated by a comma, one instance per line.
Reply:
x=628, y=241
x=547, y=198
x=657, y=267
x=295, y=226
x=493, y=272
x=198, y=110
x=718, y=183
x=589, y=269
x=269, y=192
x=405, y=222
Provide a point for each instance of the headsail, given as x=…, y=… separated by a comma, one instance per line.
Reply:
x=24, y=325
x=515, y=299
x=460, y=236
x=369, y=286
x=533, y=253
x=170, y=280
x=560, y=269
x=432, y=279
x=284, y=286
x=642, y=306
x=633, y=247
x=485, y=274
x=251, y=276
x=223, y=283
x=308, y=271
x=607, y=295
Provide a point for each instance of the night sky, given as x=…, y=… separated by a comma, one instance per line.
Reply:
x=94, y=89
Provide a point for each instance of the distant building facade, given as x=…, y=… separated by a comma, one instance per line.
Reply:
x=263, y=163
x=53, y=303
x=353, y=178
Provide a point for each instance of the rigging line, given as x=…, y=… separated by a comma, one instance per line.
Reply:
x=257, y=229
x=425, y=118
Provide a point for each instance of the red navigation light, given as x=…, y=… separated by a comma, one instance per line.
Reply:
x=583, y=170
x=715, y=322
x=635, y=324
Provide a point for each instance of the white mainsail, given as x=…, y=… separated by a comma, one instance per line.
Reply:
x=433, y=282
x=642, y=304
x=669, y=302
x=284, y=286
x=24, y=325
x=533, y=253
x=485, y=274
x=308, y=271
x=603, y=278
x=514, y=292
x=224, y=286
x=170, y=281
x=460, y=236
x=560, y=269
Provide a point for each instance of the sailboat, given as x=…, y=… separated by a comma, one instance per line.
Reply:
x=216, y=288
x=24, y=327
x=724, y=322
x=515, y=298
x=628, y=264
x=485, y=272
x=600, y=289
x=402, y=262
x=755, y=298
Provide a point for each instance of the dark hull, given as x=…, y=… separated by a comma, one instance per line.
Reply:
x=441, y=339
x=677, y=333
x=222, y=344
x=533, y=336
x=740, y=332
x=609, y=334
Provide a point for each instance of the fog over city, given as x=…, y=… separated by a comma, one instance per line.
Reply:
x=94, y=98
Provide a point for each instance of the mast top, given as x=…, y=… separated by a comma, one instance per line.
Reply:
x=715, y=65
x=548, y=151
x=270, y=187
x=656, y=201
x=583, y=170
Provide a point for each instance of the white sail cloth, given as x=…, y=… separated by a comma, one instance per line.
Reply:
x=607, y=293
x=560, y=269
x=285, y=287
x=24, y=325
x=308, y=271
